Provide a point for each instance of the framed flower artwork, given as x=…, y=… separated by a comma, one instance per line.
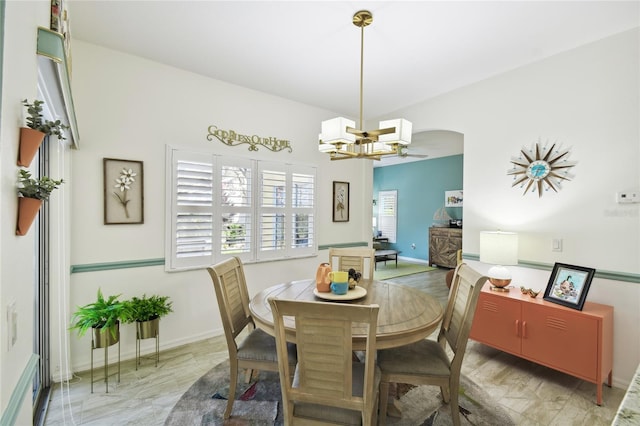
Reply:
x=123, y=191
x=340, y=201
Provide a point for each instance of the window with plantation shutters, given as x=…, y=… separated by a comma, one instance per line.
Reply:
x=286, y=212
x=224, y=206
x=236, y=202
x=192, y=221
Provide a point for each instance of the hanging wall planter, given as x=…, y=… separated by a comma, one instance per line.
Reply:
x=37, y=128
x=32, y=194
x=30, y=141
x=27, y=211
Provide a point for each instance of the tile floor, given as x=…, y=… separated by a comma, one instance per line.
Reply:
x=533, y=395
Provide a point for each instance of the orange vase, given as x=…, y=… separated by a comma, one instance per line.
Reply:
x=28, y=209
x=30, y=141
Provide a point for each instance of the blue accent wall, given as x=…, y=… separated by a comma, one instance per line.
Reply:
x=421, y=186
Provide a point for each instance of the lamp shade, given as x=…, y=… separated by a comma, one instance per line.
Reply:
x=401, y=136
x=334, y=131
x=499, y=248
x=380, y=148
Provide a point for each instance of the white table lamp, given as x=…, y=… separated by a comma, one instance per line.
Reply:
x=500, y=249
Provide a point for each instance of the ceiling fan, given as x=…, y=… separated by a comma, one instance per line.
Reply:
x=403, y=152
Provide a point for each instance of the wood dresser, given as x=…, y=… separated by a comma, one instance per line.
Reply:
x=579, y=343
x=444, y=243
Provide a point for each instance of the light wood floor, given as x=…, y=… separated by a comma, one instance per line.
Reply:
x=532, y=394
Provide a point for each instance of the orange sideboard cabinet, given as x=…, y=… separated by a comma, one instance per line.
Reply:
x=579, y=343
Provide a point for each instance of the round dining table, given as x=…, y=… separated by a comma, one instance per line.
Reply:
x=406, y=315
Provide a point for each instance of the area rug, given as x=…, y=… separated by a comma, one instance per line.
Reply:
x=384, y=272
x=258, y=403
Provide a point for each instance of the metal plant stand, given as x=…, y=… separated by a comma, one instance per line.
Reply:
x=148, y=330
x=104, y=341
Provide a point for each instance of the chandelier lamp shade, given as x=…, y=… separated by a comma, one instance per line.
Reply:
x=500, y=249
x=342, y=140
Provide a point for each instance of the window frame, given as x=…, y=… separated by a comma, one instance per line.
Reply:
x=290, y=249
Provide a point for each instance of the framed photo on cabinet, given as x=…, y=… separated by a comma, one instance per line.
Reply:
x=123, y=191
x=569, y=285
x=340, y=201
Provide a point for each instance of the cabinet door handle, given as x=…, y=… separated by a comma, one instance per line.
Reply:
x=524, y=329
x=517, y=328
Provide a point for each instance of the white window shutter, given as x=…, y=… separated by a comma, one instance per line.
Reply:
x=388, y=214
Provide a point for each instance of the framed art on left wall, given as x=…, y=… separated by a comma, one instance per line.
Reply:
x=340, y=201
x=123, y=191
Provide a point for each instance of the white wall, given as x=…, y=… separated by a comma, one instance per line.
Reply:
x=130, y=108
x=586, y=99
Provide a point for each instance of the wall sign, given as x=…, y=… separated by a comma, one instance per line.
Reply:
x=232, y=138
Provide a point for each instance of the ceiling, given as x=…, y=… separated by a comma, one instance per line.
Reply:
x=309, y=51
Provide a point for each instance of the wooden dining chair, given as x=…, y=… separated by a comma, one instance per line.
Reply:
x=362, y=259
x=426, y=362
x=327, y=387
x=257, y=350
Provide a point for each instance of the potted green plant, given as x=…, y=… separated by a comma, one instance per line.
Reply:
x=146, y=312
x=32, y=193
x=37, y=127
x=103, y=316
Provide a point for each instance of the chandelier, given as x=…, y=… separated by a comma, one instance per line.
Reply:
x=341, y=140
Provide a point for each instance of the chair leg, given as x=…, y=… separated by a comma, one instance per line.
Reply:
x=233, y=381
x=374, y=420
x=247, y=375
x=445, y=394
x=384, y=397
x=455, y=409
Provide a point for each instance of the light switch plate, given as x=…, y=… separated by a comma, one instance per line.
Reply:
x=556, y=244
x=12, y=324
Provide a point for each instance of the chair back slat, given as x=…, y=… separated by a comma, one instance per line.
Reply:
x=324, y=346
x=362, y=259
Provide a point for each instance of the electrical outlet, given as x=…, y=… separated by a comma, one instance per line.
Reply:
x=413, y=246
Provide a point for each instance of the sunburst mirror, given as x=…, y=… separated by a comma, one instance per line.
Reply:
x=541, y=168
